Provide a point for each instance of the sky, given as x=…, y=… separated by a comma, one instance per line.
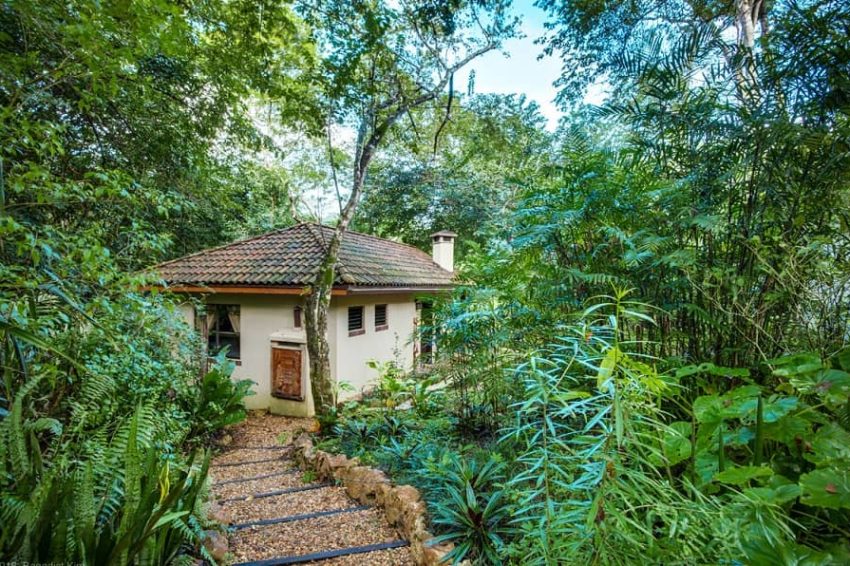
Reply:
x=521, y=71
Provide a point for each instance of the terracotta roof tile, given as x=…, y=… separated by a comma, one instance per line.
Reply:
x=292, y=257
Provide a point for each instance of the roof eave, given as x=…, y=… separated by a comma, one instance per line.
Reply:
x=400, y=289
x=202, y=289
x=338, y=290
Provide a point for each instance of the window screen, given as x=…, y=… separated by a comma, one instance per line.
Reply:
x=297, y=316
x=380, y=317
x=355, y=320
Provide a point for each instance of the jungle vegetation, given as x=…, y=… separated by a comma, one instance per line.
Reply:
x=651, y=360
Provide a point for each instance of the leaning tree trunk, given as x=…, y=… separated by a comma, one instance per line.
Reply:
x=372, y=130
x=316, y=315
x=322, y=384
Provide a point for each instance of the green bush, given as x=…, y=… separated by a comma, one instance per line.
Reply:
x=472, y=510
x=96, y=438
x=124, y=503
x=220, y=401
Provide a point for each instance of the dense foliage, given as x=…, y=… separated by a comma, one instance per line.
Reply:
x=651, y=361
x=109, y=119
x=654, y=363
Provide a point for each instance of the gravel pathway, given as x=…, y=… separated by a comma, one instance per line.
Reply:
x=260, y=438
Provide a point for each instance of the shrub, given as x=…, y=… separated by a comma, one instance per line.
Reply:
x=92, y=453
x=220, y=401
x=124, y=504
x=471, y=510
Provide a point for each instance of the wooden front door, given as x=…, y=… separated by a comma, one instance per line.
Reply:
x=286, y=373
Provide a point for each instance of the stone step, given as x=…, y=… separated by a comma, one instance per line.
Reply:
x=249, y=479
x=295, y=518
x=238, y=455
x=392, y=557
x=230, y=449
x=322, y=534
x=358, y=552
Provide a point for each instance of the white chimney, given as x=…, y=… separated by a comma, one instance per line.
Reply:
x=443, y=249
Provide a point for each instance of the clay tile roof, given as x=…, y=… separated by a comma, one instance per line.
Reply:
x=292, y=257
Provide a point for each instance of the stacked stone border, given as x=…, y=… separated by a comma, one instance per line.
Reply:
x=402, y=504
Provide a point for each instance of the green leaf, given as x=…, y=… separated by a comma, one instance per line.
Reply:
x=739, y=403
x=687, y=371
x=775, y=410
x=826, y=487
x=677, y=442
x=606, y=368
x=742, y=474
x=832, y=385
x=168, y=517
x=712, y=369
x=797, y=364
x=831, y=445
x=708, y=409
x=843, y=358
x=776, y=494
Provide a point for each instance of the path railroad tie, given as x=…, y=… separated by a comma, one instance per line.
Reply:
x=278, y=492
x=260, y=477
x=319, y=523
x=230, y=465
x=294, y=518
x=326, y=554
x=230, y=449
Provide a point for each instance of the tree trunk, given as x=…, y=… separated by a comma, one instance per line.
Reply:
x=369, y=136
x=322, y=384
x=748, y=14
x=316, y=318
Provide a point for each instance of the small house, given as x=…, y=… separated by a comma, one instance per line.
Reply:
x=251, y=300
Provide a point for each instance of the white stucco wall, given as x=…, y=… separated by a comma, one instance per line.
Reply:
x=392, y=344
x=264, y=317
x=261, y=318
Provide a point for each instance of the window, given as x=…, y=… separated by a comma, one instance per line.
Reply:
x=355, y=321
x=381, y=317
x=297, y=317
x=223, y=330
x=426, y=331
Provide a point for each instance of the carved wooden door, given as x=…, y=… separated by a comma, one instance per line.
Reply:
x=286, y=373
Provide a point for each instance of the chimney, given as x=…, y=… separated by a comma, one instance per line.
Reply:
x=443, y=249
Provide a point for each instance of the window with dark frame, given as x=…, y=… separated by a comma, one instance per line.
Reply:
x=381, y=317
x=355, y=321
x=223, y=326
x=297, y=317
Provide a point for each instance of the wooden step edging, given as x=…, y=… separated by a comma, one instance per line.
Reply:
x=260, y=477
x=277, y=492
x=295, y=518
x=231, y=464
x=402, y=505
x=325, y=554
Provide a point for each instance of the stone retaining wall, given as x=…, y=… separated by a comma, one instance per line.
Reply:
x=402, y=504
